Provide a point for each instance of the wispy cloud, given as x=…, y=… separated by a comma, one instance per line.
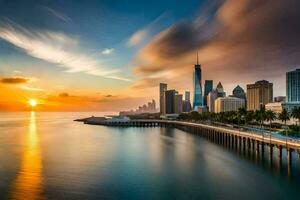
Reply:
x=140, y=35
x=14, y=80
x=58, y=14
x=57, y=48
x=137, y=37
x=107, y=51
x=26, y=87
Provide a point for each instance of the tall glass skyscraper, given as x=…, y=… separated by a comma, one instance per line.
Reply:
x=208, y=86
x=293, y=86
x=292, y=89
x=198, y=100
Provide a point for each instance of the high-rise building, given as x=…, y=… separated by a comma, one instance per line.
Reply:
x=239, y=92
x=187, y=96
x=178, y=103
x=170, y=101
x=220, y=90
x=162, y=102
x=259, y=94
x=211, y=97
x=208, y=86
x=197, y=86
x=186, y=106
x=224, y=104
x=292, y=89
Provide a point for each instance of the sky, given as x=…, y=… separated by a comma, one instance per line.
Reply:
x=111, y=55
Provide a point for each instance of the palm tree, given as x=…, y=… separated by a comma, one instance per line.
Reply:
x=249, y=116
x=260, y=115
x=242, y=112
x=296, y=114
x=270, y=116
x=284, y=116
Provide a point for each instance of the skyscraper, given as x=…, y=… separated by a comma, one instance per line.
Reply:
x=197, y=86
x=187, y=96
x=211, y=98
x=162, y=102
x=220, y=90
x=239, y=92
x=259, y=94
x=170, y=101
x=292, y=89
x=208, y=86
x=178, y=103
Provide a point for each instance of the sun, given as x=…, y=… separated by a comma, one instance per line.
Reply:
x=32, y=102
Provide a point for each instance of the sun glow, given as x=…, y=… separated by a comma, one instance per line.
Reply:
x=32, y=102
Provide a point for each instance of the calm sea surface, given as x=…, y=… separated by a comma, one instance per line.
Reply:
x=48, y=156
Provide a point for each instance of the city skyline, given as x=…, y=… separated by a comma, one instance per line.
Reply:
x=49, y=53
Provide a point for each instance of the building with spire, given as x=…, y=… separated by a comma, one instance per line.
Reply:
x=198, y=99
x=239, y=92
x=220, y=90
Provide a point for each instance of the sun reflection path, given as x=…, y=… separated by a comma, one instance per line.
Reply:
x=28, y=183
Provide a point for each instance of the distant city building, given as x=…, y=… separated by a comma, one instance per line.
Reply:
x=280, y=99
x=275, y=107
x=208, y=86
x=259, y=94
x=197, y=86
x=187, y=96
x=211, y=97
x=224, y=104
x=178, y=103
x=186, y=106
x=162, y=88
x=220, y=90
x=149, y=108
x=292, y=89
x=170, y=101
x=239, y=92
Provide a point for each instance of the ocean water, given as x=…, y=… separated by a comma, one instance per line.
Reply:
x=49, y=156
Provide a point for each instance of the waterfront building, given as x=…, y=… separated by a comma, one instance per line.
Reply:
x=224, y=104
x=211, y=97
x=220, y=90
x=197, y=86
x=208, y=86
x=280, y=99
x=162, y=102
x=259, y=94
x=292, y=89
x=170, y=101
x=186, y=106
x=178, y=103
x=187, y=96
x=239, y=92
x=276, y=107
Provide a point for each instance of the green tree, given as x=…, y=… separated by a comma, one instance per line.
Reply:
x=242, y=112
x=250, y=115
x=296, y=114
x=260, y=115
x=284, y=117
x=270, y=116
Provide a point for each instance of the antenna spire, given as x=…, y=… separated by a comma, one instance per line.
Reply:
x=197, y=58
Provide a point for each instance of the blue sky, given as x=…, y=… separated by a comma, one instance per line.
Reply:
x=125, y=48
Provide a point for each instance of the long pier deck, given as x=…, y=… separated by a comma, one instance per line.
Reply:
x=234, y=138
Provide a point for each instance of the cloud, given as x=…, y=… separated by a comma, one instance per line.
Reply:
x=140, y=35
x=109, y=95
x=56, y=48
x=58, y=14
x=107, y=51
x=64, y=95
x=252, y=38
x=26, y=87
x=137, y=37
x=14, y=80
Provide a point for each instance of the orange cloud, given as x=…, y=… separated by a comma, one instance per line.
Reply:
x=14, y=80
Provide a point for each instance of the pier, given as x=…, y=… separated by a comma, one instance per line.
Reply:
x=243, y=141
